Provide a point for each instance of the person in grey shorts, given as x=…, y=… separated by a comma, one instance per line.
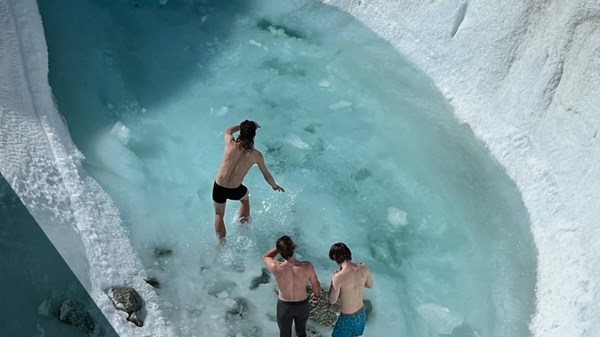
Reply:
x=291, y=277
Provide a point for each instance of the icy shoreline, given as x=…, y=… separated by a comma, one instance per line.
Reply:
x=520, y=75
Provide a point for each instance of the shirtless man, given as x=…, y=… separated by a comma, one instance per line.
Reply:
x=238, y=157
x=347, y=284
x=291, y=277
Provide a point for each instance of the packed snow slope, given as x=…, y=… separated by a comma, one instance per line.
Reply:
x=525, y=76
x=41, y=163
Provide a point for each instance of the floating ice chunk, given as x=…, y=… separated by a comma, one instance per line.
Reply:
x=297, y=142
x=163, y=2
x=230, y=303
x=44, y=308
x=41, y=330
x=277, y=32
x=340, y=104
x=117, y=158
x=324, y=84
x=220, y=111
x=203, y=18
x=121, y=132
x=397, y=217
x=223, y=294
x=255, y=43
x=440, y=319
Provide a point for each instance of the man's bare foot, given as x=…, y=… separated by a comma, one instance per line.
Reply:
x=244, y=220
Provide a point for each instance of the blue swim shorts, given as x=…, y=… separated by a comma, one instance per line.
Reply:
x=350, y=325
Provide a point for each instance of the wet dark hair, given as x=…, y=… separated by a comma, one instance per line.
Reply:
x=285, y=247
x=340, y=253
x=247, y=133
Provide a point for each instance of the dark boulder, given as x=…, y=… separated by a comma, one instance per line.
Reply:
x=128, y=300
x=74, y=313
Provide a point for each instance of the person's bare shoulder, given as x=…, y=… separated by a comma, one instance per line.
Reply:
x=277, y=267
x=305, y=265
x=256, y=155
x=363, y=268
x=340, y=277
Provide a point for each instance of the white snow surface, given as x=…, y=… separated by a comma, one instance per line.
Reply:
x=40, y=161
x=523, y=75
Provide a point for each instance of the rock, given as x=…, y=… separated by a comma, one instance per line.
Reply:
x=310, y=333
x=238, y=307
x=262, y=279
x=322, y=312
x=73, y=312
x=128, y=300
x=326, y=314
x=361, y=174
x=158, y=252
x=153, y=282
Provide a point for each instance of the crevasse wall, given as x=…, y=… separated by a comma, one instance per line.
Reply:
x=525, y=76
x=42, y=164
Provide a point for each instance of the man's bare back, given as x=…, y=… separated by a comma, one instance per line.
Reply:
x=350, y=283
x=235, y=164
x=291, y=278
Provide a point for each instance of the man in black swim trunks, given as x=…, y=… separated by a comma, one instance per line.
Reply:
x=238, y=157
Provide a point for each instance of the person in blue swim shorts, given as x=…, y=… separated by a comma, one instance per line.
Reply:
x=347, y=285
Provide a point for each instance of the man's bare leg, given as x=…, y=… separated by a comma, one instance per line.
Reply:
x=245, y=209
x=219, y=223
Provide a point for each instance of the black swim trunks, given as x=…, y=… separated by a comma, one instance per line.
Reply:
x=220, y=194
x=292, y=311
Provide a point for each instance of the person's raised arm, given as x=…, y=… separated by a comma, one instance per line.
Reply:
x=269, y=259
x=334, y=289
x=315, y=284
x=265, y=172
x=230, y=131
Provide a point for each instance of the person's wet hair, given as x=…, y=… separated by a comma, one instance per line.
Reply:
x=247, y=133
x=285, y=247
x=340, y=253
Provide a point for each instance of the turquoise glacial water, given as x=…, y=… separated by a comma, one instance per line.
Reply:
x=365, y=146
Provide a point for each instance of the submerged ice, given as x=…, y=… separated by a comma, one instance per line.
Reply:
x=367, y=150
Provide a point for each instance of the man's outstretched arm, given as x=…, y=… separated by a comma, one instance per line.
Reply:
x=266, y=174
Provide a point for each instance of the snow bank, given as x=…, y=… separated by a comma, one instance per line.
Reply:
x=40, y=161
x=524, y=75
